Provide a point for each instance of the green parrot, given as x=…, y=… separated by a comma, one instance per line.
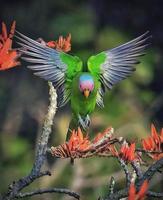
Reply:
x=84, y=86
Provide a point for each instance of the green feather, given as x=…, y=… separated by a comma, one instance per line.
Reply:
x=95, y=62
x=74, y=65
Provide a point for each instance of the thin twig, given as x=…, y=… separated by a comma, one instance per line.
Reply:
x=154, y=194
x=50, y=190
x=127, y=173
x=118, y=194
x=146, y=151
x=137, y=169
x=111, y=186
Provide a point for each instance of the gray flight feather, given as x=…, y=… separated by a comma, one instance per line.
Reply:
x=119, y=63
x=46, y=63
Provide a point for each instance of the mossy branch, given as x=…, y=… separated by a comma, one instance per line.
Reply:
x=14, y=190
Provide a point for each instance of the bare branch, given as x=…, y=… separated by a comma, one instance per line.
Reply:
x=151, y=171
x=145, y=151
x=154, y=194
x=146, y=176
x=137, y=169
x=111, y=186
x=50, y=190
x=42, y=145
x=127, y=173
x=17, y=186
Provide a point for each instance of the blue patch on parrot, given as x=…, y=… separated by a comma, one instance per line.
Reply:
x=86, y=77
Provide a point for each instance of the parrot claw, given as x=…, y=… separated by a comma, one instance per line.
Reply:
x=84, y=122
x=87, y=121
x=81, y=122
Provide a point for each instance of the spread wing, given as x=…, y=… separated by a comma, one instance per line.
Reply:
x=51, y=65
x=114, y=65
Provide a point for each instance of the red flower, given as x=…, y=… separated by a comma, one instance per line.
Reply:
x=62, y=44
x=79, y=146
x=78, y=142
x=154, y=143
x=8, y=56
x=127, y=153
x=141, y=194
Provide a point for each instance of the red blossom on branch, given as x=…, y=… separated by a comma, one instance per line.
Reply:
x=78, y=141
x=62, y=44
x=140, y=195
x=79, y=146
x=104, y=144
x=8, y=56
x=127, y=153
x=154, y=143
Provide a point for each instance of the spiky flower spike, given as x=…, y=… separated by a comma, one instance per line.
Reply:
x=154, y=143
x=62, y=44
x=140, y=195
x=8, y=56
x=79, y=146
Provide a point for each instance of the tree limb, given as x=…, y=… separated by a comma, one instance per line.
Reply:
x=127, y=173
x=151, y=171
x=15, y=188
x=146, y=176
x=50, y=190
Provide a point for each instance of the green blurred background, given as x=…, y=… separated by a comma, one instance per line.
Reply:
x=130, y=107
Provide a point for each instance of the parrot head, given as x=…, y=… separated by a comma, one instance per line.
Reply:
x=86, y=84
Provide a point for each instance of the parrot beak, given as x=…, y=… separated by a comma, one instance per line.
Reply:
x=86, y=93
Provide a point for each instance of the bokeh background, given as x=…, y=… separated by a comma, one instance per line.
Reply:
x=130, y=107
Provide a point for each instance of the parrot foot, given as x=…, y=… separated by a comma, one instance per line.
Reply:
x=84, y=122
x=81, y=122
x=87, y=121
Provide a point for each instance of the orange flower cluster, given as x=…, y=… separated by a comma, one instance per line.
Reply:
x=141, y=194
x=62, y=44
x=102, y=145
x=78, y=142
x=127, y=153
x=8, y=56
x=79, y=146
x=154, y=143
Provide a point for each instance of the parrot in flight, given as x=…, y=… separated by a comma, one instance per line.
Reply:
x=84, y=86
